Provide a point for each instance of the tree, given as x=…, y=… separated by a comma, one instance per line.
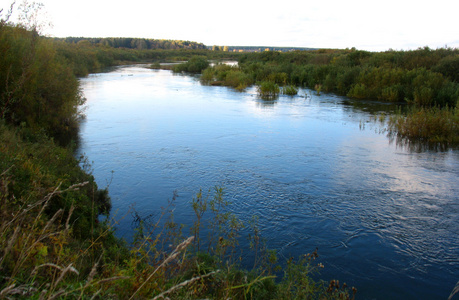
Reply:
x=33, y=17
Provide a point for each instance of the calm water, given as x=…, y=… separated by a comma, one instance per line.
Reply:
x=385, y=219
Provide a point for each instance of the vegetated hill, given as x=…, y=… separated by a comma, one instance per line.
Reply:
x=136, y=43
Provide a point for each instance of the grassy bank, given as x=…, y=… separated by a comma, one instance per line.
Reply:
x=50, y=235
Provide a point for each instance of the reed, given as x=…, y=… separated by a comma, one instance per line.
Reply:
x=429, y=125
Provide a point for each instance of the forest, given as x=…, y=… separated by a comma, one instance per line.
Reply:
x=134, y=43
x=56, y=235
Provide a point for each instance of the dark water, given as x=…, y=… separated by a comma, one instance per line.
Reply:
x=317, y=174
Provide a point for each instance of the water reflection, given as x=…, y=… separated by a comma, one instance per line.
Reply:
x=419, y=146
x=267, y=103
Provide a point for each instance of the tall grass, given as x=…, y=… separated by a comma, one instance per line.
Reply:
x=268, y=90
x=429, y=125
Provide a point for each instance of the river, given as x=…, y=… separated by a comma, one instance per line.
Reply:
x=314, y=168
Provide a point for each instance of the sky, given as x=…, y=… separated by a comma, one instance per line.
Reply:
x=365, y=25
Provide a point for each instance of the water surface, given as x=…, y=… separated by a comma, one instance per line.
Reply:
x=317, y=174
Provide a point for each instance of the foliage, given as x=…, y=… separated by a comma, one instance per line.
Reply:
x=423, y=76
x=195, y=65
x=36, y=87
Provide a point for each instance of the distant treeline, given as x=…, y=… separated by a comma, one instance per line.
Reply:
x=258, y=48
x=88, y=58
x=135, y=43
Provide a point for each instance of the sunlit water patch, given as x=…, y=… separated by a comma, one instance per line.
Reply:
x=385, y=219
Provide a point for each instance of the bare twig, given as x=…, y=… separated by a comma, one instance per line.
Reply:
x=67, y=269
x=174, y=254
x=182, y=284
x=10, y=243
x=112, y=279
x=46, y=265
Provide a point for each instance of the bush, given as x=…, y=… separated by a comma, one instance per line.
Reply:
x=268, y=89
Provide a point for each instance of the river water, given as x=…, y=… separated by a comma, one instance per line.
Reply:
x=314, y=169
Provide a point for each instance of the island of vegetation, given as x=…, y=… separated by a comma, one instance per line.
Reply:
x=57, y=239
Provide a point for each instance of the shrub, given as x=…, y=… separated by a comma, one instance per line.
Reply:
x=237, y=79
x=268, y=90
